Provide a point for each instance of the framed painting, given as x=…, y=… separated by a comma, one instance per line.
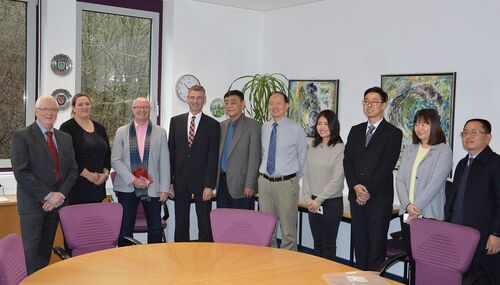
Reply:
x=308, y=98
x=409, y=93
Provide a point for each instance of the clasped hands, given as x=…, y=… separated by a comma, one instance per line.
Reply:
x=54, y=201
x=95, y=177
x=362, y=194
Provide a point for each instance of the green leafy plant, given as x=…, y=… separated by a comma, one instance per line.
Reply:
x=258, y=88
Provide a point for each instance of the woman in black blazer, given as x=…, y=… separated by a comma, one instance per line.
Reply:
x=92, y=152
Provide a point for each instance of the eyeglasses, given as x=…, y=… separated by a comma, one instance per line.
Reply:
x=48, y=110
x=472, y=133
x=141, y=107
x=371, y=103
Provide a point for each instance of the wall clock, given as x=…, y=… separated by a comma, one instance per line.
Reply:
x=183, y=84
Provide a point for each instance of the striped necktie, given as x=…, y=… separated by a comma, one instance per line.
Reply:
x=191, y=131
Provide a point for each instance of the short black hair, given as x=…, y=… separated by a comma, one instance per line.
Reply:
x=283, y=94
x=235, y=93
x=378, y=90
x=486, y=124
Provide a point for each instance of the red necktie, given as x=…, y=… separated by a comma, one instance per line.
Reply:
x=53, y=152
x=191, y=131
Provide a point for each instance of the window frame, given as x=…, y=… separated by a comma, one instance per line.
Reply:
x=31, y=67
x=155, y=46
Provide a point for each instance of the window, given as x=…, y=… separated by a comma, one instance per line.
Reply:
x=118, y=61
x=17, y=70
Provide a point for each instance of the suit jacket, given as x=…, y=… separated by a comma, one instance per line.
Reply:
x=372, y=165
x=482, y=193
x=244, y=156
x=34, y=169
x=195, y=167
x=158, y=163
x=429, y=192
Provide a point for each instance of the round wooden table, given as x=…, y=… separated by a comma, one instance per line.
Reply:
x=189, y=263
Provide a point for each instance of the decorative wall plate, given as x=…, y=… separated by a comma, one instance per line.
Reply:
x=63, y=98
x=217, y=107
x=61, y=64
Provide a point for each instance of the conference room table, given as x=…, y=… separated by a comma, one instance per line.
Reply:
x=190, y=263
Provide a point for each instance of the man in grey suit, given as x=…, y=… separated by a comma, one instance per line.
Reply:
x=240, y=155
x=141, y=160
x=44, y=166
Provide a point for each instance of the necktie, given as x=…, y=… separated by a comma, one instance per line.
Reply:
x=227, y=146
x=369, y=134
x=191, y=131
x=53, y=153
x=271, y=154
x=458, y=205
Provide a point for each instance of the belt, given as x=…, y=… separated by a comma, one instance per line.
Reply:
x=277, y=179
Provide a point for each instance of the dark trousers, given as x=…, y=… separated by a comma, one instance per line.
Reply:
x=370, y=224
x=225, y=200
x=489, y=265
x=324, y=228
x=152, y=210
x=182, y=216
x=405, y=230
x=38, y=231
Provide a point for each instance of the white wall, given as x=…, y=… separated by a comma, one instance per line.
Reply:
x=357, y=41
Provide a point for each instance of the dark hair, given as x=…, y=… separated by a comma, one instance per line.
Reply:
x=486, y=124
x=431, y=117
x=197, y=88
x=333, y=126
x=282, y=94
x=378, y=90
x=235, y=93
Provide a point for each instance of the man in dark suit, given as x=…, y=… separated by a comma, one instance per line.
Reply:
x=475, y=198
x=370, y=155
x=44, y=166
x=193, y=141
x=239, y=155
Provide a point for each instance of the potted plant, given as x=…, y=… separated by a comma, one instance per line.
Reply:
x=259, y=87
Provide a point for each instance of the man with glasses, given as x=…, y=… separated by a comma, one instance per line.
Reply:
x=45, y=169
x=370, y=155
x=475, y=198
x=140, y=158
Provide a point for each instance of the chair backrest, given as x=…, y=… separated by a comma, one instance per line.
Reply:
x=12, y=261
x=242, y=226
x=91, y=227
x=442, y=251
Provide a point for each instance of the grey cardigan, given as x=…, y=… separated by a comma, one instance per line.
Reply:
x=159, y=161
x=429, y=194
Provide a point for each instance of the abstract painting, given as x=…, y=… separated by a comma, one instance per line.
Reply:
x=409, y=93
x=308, y=98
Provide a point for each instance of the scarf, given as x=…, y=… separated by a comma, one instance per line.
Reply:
x=135, y=158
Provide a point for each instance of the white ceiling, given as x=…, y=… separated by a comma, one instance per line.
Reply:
x=259, y=5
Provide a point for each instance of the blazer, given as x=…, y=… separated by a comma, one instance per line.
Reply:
x=244, y=156
x=432, y=172
x=195, y=167
x=482, y=193
x=158, y=163
x=372, y=165
x=34, y=169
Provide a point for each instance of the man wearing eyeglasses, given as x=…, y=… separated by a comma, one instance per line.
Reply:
x=370, y=155
x=44, y=166
x=140, y=158
x=475, y=198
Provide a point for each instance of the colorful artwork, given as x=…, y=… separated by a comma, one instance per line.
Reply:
x=409, y=93
x=308, y=98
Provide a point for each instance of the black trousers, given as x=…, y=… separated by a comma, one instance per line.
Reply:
x=324, y=228
x=225, y=200
x=182, y=216
x=370, y=224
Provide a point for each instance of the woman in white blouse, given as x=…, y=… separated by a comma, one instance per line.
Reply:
x=323, y=183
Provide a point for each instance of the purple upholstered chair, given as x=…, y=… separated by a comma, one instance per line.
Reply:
x=91, y=227
x=242, y=226
x=12, y=262
x=442, y=251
